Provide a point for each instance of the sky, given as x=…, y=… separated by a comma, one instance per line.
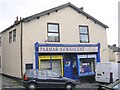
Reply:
x=105, y=11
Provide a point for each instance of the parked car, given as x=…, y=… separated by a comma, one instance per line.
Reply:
x=112, y=86
x=35, y=78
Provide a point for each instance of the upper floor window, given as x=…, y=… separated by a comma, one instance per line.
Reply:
x=84, y=34
x=14, y=35
x=10, y=36
x=53, y=32
x=0, y=41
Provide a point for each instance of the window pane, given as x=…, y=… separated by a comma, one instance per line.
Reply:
x=83, y=30
x=29, y=66
x=56, y=66
x=52, y=28
x=53, y=37
x=45, y=64
x=10, y=34
x=14, y=35
x=83, y=38
x=10, y=37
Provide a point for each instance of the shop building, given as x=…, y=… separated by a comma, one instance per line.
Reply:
x=65, y=39
x=69, y=60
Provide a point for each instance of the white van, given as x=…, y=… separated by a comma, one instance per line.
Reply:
x=107, y=72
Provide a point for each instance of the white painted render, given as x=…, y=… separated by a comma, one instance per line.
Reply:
x=36, y=31
x=11, y=61
x=69, y=21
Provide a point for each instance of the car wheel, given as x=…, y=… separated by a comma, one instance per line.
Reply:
x=31, y=86
x=68, y=86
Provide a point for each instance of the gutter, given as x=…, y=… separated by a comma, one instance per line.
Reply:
x=21, y=47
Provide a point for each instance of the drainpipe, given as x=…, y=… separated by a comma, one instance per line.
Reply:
x=98, y=54
x=21, y=47
x=36, y=54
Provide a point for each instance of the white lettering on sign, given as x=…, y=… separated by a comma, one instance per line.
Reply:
x=48, y=49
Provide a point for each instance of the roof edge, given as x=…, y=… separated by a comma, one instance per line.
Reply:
x=63, y=6
x=26, y=19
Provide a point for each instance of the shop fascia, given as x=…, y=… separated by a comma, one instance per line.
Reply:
x=67, y=49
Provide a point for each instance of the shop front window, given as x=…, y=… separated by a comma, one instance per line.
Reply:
x=51, y=62
x=45, y=65
x=56, y=66
x=87, y=64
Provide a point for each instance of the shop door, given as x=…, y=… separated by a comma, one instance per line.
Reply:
x=68, y=68
x=86, y=65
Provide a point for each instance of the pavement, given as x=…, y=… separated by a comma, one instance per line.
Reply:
x=87, y=86
x=8, y=83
